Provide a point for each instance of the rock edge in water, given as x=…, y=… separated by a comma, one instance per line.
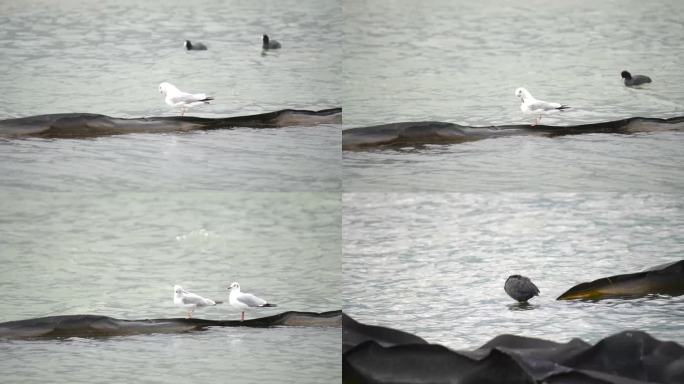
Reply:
x=99, y=326
x=88, y=125
x=434, y=132
x=374, y=354
x=666, y=279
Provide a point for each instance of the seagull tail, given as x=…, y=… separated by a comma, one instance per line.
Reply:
x=207, y=99
x=562, y=107
x=218, y=302
x=269, y=305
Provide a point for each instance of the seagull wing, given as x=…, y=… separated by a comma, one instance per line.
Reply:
x=250, y=300
x=188, y=98
x=539, y=105
x=191, y=298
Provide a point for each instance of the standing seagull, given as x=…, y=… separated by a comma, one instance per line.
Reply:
x=269, y=44
x=190, y=301
x=532, y=106
x=631, y=81
x=520, y=288
x=243, y=301
x=177, y=98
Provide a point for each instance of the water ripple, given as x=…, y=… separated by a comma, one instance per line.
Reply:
x=435, y=264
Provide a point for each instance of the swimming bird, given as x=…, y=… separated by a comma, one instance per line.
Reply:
x=631, y=81
x=270, y=44
x=532, y=106
x=194, y=47
x=177, y=98
x=190, y=301
x=243, y=301
x=520, y=288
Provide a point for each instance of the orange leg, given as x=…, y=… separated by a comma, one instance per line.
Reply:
x=242, y=316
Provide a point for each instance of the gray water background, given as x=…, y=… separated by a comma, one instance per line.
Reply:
x=460, y=62
x=435, y=264
x=119, y=255
x=107, y=226
x=109, y=57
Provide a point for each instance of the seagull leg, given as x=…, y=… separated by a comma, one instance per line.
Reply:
x=242, y=316
x=182, y=111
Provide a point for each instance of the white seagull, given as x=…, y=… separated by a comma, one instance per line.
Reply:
x=177, y=98
x=532, y=106
x=243, y=301
x=190, y=301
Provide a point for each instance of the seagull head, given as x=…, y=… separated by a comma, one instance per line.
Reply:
x=178, y=289
x=234, y=285
x=166, y=88
x=522, y=94
x=265, y=39
x=626, y=75
x=187, y=44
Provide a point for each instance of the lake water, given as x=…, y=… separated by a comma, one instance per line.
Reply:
x=119, y=255
x=286, y=159
x=109, y=57
x=435, y=264
x=460, y=62
x=107, y=226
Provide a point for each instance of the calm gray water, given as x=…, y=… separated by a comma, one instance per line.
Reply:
x=435, y=264
x=119, y=254
x=287, y=159
x=460, y=62
x=107, y=226
x=109, y=57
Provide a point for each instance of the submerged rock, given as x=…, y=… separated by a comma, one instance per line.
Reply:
x=666, y=279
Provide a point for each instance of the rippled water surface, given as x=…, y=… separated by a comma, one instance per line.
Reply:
x=435, y=264
x=286, y=159
x=119, y=255
x=108, y=57
x=460, y=62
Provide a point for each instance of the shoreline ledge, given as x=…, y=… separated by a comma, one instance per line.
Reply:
x=396, y=135
x=374, y=354
x=105, y=326
x=89, y=125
